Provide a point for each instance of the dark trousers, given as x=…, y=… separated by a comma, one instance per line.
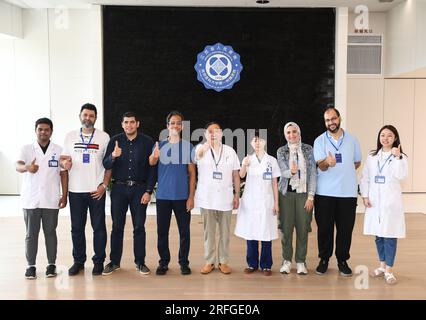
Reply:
x=33, y=219
x=183, y=219
x=330, y=211
x=265, y=254
x=79, y=203
x=123, y=197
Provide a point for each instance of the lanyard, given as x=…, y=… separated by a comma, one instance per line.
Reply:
x=381, y=167
x=220, y=157
x=82, y=139
x=340, y=144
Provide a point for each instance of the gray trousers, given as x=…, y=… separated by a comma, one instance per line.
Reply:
x=33, y=219
x=223, y=220
x=292, y=216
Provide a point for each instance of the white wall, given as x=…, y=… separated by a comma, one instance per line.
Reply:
x=10, y=20
x=341, y=57
x=373, y=101
x=406, y=40
x=51, y=72
x=75, y=56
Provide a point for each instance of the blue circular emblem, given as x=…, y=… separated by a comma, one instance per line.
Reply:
x=218, y=67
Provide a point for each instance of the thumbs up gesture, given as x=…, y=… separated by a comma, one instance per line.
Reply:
x=33, y=167
x=294, y=167
x=331, y=160
x=396, y=151
x=156, y=151
x=246, y=161
x=117, y=151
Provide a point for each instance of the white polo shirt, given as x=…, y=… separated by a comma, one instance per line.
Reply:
x=211, y=193
x=85, y=176
x=43, y=188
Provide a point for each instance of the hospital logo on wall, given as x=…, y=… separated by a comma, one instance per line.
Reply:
x=218, y=67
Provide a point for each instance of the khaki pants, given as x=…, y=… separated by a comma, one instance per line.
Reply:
x=210, y=219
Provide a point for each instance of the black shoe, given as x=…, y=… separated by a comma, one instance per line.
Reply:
x=143, y=269
x=110, y=268
x=322, y=267
x=185, y=270
x=51, y=271
x=97, y=269
x=30, y=273
x=161, y=270
x=75, y=269
x=344, y=269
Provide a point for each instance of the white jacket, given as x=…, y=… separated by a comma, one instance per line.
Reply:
x=386, y=216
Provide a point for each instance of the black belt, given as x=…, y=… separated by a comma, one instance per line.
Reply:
x=129, y=183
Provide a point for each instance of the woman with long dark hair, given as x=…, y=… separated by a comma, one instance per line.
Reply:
x=383, y=171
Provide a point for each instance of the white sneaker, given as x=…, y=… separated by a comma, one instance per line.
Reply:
x=301, y=268
x=286, y=267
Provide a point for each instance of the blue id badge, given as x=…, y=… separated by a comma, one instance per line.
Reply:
x=217, y=175
x=53, y=163
x=338, y=157
x=267, y=176
x=86, y=157
x=380, y=179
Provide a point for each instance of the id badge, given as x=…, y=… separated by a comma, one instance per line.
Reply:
x=86, y=157
x=267, y=176
x=380, y=179
x=338, y=157
x=217, y=175
x=53, y=163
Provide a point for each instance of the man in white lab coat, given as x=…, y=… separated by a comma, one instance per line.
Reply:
x=218, y=167
x=40, y=195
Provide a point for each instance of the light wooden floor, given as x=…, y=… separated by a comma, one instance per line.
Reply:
x=410, y=269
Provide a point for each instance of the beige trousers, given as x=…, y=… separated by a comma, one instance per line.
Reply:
x=211, y=218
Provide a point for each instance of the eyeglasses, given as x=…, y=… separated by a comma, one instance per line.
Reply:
x=172, y=123
x=331, y=120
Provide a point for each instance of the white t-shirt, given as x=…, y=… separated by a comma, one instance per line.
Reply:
x=85, y=175
x=216, y=193
x=43, y=188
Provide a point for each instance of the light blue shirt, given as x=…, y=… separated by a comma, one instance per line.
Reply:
x=340, y=180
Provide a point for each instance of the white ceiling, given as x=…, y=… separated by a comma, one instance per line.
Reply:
x=373, y=5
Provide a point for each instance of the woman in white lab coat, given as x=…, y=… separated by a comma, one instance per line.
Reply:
x=383, y=171
x=256, y=219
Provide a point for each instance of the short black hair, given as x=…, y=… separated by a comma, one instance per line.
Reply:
x=129, y=114
x=328, y=108
x=89, y=106
x=44, y=121
x=211, y=123
x=174, y=113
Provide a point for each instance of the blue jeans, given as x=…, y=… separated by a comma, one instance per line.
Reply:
x=183, y=219
x=79, y=203
x=265, y=255
x=122, y=197
x=386, y=248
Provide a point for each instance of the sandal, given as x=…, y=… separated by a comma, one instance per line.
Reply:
x=390, y=278
x=377, y=273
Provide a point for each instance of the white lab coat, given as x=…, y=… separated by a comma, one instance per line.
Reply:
x=41, y=189
x=256, y=219
x=216, y=194
x=386, y=216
